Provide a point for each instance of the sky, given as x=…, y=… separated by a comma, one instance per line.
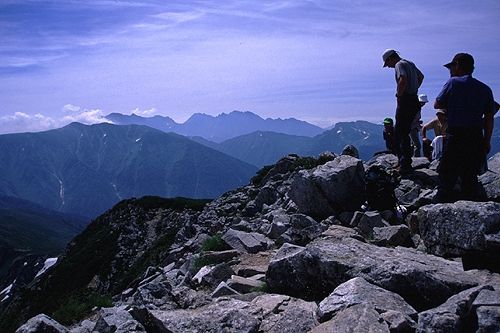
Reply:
x=318, y=61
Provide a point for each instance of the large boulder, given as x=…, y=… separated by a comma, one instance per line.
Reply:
x=314, y=271
x=461, y=228
x=455, y=315
x=359, y=318
x=42, y=323
x=283, y=314
x=359, y=291
x=487, y=309
x=333, y=187
x=117, y=320
x=222, y=315
x=490, y=180
x=268, y=313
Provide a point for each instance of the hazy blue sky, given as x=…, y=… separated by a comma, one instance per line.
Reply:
x=314, y=60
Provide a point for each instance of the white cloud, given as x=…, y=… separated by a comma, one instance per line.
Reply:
x=145, y=113
x=71, y=108
x=88, y=117
x=23, y=122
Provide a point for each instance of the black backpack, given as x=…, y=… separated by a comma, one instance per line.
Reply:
x=380, y=186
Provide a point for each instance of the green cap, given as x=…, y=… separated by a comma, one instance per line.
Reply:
x=388, y=121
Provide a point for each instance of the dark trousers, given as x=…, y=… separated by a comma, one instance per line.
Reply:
x=407, y=109
x=462, y=156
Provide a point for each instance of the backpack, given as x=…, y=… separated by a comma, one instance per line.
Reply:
x=380, y=186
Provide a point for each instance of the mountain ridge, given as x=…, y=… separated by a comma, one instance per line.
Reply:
x=105, y=163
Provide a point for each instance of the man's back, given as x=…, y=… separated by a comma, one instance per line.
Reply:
x=467, y=100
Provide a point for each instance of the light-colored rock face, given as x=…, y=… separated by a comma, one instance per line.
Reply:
x=333, y=187
x=359, y=291
x=457, y=228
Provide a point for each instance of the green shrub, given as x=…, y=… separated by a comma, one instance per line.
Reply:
x=214, y=243
x=77, y=306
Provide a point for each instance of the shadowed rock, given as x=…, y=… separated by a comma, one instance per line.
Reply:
x=314, y=271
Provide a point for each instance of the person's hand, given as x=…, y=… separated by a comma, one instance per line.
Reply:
x=426, y=140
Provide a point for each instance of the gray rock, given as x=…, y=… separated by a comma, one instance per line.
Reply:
x=454, y=315
x=86, y=326
x=217, y=257
x=338, y=231
x=397, y=235
x=223, y=290
x=250, y=242
x=244, y=285
x=211, y=276
x=186, y=297
x=487, y=309
x=282, y=314
x=387, y=161
x=420, y=162
x=368, y=221
x=302, y=229
x=116, y=320
x=333, y=187
x=314, y=271
x=494, y=163
x=488, y=319
x=359, y=291
x=359, y=318
x=42, y=324
x=456, y=228
x=251, y=264
x=222, y=315
x=491, y=184
x=399, y=322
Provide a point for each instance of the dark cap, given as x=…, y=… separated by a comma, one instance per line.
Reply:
x=464, y=60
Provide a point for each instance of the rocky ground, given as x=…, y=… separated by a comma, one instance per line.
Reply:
x=294, y=252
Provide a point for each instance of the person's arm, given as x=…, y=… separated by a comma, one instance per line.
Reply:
x=442, y=99
x=488, y=131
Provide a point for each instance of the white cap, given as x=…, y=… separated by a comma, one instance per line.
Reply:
x=387, y=53
x=422, y=98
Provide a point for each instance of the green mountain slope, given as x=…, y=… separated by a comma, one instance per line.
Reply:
x=86, y=169
x=27, y=228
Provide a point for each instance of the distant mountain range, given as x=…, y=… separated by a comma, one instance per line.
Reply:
x=85, y=170
x=222, y=127
x=263, y=148
x=30, y=229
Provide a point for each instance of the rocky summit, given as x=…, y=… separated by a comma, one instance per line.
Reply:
x=296, y=250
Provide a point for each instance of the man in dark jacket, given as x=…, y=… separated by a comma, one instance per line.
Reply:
x=470, y=108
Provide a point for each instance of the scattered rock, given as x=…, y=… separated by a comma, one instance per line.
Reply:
x=213, y=275
x=397, y=235
x=359, y=318
x=42, y=323
x=370, y=220
x=454, y=315
x=250, y=242
x=244, y=285
x=117, y=320
x=359, y=291
x=224, y=290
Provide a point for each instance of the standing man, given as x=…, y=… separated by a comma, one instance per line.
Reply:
x=408, y=79
x=468, y=135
